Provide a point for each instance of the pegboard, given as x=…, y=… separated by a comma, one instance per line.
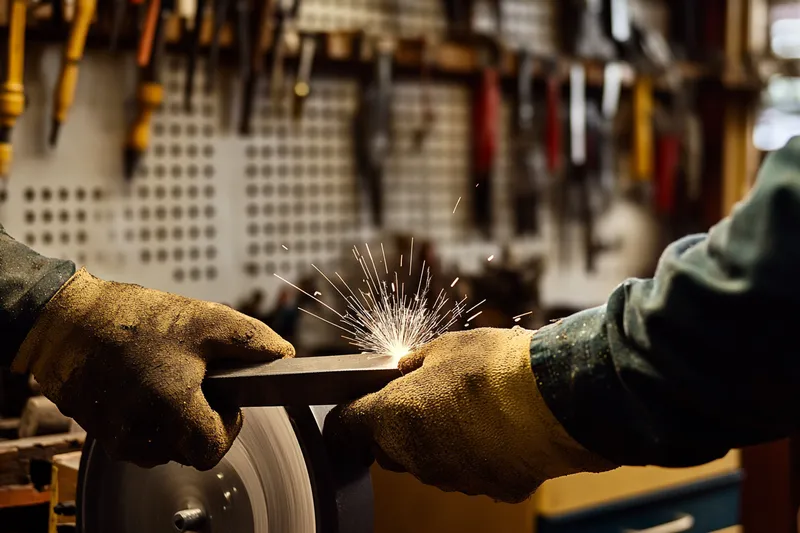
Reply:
x=211, y=214
x=532, y=24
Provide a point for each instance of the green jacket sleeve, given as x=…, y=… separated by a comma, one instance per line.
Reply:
x=705, y=357
x=27, y=282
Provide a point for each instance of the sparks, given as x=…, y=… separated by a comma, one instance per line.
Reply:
x=381, y=317
x=473, y=317
x=454, y=283
x=456, y=207
x=490, y=258
x=524, y=314
x=284, y=247
x=471, y=309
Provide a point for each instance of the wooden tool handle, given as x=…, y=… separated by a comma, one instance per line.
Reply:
x=148, y=33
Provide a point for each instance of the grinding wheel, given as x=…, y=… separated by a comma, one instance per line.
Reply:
x=277, y=478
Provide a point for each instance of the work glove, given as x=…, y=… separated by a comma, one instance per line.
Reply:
x=127, y=363
x=466, y=416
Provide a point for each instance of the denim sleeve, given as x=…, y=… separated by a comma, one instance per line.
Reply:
x=677, y=370
x=27, y=282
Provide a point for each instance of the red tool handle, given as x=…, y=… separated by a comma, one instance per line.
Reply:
x=485, y=117
x=667, y=162
x=553, y=125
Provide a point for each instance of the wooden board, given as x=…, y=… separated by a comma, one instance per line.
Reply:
x=21, y=496
x=16, y=455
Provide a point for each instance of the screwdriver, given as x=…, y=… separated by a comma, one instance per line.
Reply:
x=302, y=84
x=73, y=53
x=12, y=94
x=221, y=11
x=150, y=92
x=117, y=21
x=255, y=67
x=194, y=49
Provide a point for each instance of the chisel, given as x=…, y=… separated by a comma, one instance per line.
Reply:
x=326, y=380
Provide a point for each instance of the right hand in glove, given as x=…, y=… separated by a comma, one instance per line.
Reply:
x=466, y=417
x=127, y=363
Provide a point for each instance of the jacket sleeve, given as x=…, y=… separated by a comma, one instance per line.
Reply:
x=705, y=357
x=27, y=282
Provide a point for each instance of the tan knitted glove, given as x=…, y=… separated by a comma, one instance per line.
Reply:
x=467, y=417
x=127, y=363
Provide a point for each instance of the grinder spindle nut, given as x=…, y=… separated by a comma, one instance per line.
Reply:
x=189, y=520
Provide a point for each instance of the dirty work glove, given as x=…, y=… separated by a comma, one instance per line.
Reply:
x=127, y=364
x=467, y=416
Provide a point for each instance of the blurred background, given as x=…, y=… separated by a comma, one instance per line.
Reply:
x=539, y=152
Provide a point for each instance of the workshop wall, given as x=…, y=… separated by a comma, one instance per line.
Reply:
x=209, y=211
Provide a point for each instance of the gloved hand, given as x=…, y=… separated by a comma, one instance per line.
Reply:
x=467, y=416
x=127, y=364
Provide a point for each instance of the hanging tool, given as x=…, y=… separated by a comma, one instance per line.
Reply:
x=284, y=17
x=194, y=50
x=152, y=21
x=579, y=173
x=372, y=128
x=668, y=149
x=117, y=22
x=584, y=29
x=607, y=179
x=485, y=117
x=220, y=18
x=643, y=150
x=244, y=37
x=422, y=131
x=525, y=186
x=553, y=133
x=693, y=136
x=260, y=24
x=12, y=95
x=73, y=53
x=302, y=84
x=150, y=92
x=619, y=15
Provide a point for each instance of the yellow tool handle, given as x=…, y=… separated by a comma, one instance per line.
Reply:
x=643, y=151
x=73, y=53
x=16, y=42
x=12, y=95
x=149, y=97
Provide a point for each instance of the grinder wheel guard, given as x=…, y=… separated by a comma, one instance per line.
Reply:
x=276, y=478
